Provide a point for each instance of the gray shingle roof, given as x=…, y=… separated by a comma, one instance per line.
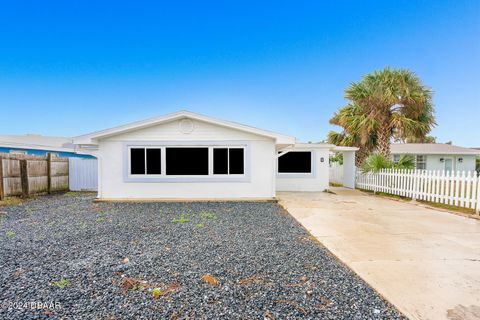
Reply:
x=430, y=148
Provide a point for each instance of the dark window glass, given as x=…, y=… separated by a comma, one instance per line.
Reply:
x=295, y=162
x=137, y=161
x=153, y=161
x=187, y=161
x=236, y=161
x=220, y=161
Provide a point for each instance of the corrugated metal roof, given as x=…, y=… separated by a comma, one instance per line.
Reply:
x=430, y=148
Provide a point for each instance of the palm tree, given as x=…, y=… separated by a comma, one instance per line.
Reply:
x=351, y=119
x=390, y=103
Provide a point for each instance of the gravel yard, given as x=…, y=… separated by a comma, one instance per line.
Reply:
x=82, y=259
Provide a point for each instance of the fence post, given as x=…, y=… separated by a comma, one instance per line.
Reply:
x=24, y=177
x=49, y=173
x=478, y=196
x=2, y=190
x=415, y=185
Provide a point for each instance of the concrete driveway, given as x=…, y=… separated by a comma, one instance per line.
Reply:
x=426, y=262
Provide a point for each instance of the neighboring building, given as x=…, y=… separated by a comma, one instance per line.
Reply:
x=437, y=156
x=38, y=145
x=190, y=156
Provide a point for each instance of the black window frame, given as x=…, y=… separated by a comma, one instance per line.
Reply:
x=145, y=160
x=228, y=171
x=310, y=158
x=204, y=149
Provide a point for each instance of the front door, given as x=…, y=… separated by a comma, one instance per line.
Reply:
x=448, y=164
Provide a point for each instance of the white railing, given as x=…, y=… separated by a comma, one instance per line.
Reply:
x=461, y=189
x=336, y=173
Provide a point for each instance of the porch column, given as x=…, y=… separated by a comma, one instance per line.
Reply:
x=349, y=169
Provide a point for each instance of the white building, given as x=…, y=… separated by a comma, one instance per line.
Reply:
x=190, y=156
x=437, y=156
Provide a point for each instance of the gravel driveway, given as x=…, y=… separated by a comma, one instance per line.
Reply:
x=66, y=256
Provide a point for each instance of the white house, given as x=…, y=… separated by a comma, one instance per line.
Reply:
x=190, y=156
x=437, y=156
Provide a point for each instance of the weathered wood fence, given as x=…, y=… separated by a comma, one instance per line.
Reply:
x=461, y=189
x=24, y=175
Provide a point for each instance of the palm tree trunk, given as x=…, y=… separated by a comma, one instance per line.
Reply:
x=383, y=141
x=360, y=156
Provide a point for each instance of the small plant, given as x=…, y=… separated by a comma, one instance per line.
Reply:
x=182, y=219
x=100, y=219
x=207, y=215
x=83, y=225
x=10, y=234
x=157, y=293
x=62, y=283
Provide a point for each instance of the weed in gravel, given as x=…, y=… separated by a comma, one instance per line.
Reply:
x=181, y=220
x=72, y=194
x=100, y=219
x=200, y=225
x=11, y=202
x=29, y=210
x=82, y=225
x=10, y=234
x=207, y=215
x=157, y=293
x=62, y=283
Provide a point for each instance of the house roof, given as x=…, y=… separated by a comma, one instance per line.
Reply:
x=92, y=138
x=430, y=148
x=37, y=142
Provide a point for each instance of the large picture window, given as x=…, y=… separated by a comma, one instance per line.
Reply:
x=187, y=161
x=295, y=162
x=145, y=161
x=228, y=161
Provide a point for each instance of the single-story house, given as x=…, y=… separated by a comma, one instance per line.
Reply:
x=437, y=156
x=38, y=145
x=191, y=156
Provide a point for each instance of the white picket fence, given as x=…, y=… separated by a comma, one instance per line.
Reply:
x=461, y=189
x=336, y=173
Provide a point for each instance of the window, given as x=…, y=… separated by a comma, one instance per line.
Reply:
x=228, y=161
x=421, y=162
x=187, y=161
x=396, y=158
x=145, y=158
x=295, y=162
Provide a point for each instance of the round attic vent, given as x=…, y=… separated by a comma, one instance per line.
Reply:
x=186, y=126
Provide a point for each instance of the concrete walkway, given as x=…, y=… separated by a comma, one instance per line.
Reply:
x=424, y=261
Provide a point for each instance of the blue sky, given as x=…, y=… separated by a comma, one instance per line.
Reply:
x=71, y=67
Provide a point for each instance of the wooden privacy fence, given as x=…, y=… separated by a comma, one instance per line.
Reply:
x=23, y=175
x=461, y=189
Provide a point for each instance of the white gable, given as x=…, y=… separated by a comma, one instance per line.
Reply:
x=185, y=129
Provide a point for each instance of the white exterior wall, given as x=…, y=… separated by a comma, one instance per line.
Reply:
x=434, y=163
x=317, y=181
x=468, y=163
x=260, y=160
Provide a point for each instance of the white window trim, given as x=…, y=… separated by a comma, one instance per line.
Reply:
x=163, y=177
x=310, y=174
x=424, y=162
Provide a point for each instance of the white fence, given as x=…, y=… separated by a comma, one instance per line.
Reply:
x=336, y=173
x=83, y=174
x=461, y=189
